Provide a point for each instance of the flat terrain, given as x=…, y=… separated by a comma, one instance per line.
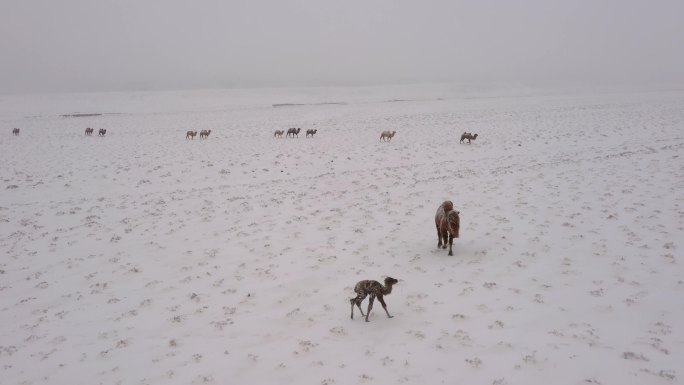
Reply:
x=146, y=258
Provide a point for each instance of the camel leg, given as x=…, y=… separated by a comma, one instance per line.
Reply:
x=357, y=301
x=445, y=237
x=451, y=241
x=358, y=304
x=352, y=301
x=384, y=305
x=439, y=238
x=370, y=306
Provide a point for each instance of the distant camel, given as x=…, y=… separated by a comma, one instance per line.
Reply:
x=190, y=134
x=15, y=131
x=102, y=132
x=387, y=135
x=278, y=133
x=469, y=136
x=293, y=131
x=311, y=132
x=204, y=134
x=89, y=131
x=448, y=224
x=375, y=289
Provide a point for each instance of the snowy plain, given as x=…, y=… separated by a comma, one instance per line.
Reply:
x=145, y=258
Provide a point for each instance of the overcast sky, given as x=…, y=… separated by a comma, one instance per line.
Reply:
x=92, y=45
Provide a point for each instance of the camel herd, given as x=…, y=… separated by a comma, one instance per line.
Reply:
x=293, y=132
x=204, y=134
x=385, y=136
x=100, y=132
x=447, y=222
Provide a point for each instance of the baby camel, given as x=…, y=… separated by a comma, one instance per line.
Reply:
x=375, y=289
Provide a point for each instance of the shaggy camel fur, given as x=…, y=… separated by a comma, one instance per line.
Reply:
x=311, y=132
x=448, y=224
x=374, y=289
x=278, y=133
x=293, y=131
x=204, y=134
x=190, y=134
x=387, y=135
x=469, y=136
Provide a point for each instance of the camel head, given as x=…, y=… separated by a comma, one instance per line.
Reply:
x=454, y=221
x=389, y=281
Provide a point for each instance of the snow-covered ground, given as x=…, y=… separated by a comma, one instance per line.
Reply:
x=146, y=258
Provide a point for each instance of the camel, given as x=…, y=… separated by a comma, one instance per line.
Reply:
x=204, y=134
x=190, y=134
x=448, y=224
x=387, y=135
x=293, y=131
x=102, y=132
x=89, y=131
x=469, y=136
x=15, y=131
x=374, y=289
x=311, y=132
x=278, y=133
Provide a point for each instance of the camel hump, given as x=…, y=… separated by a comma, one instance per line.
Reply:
x=448, y=206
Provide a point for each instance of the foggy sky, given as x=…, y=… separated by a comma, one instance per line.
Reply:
x=100, y=45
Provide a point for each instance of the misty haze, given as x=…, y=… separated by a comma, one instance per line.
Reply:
x=146, y=45
x=200, y=192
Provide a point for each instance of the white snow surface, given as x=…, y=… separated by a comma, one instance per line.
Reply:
x=145, y=258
